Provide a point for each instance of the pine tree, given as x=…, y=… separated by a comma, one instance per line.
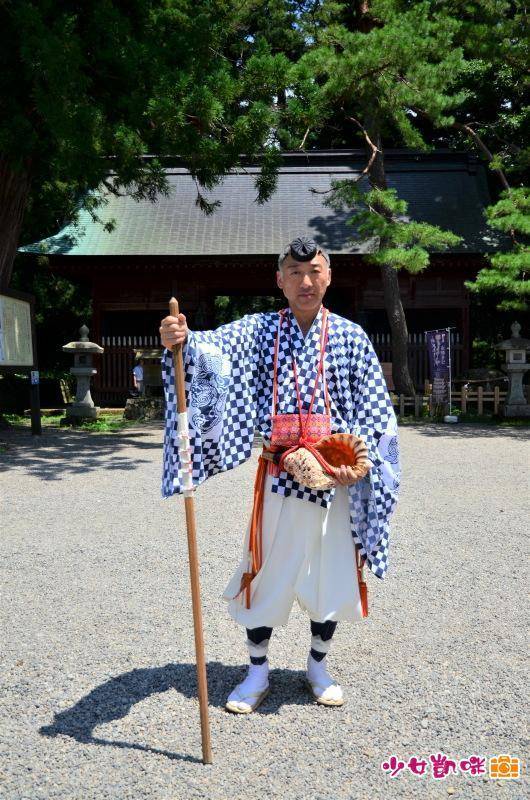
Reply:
x=494, y=119
x=507, y=274
x=370, y=63
x=92, y=87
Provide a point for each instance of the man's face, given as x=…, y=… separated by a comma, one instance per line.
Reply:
x=304, y=283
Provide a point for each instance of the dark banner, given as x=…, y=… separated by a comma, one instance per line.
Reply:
x=438, y=347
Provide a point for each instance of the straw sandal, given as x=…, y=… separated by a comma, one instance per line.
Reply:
x=245, y=702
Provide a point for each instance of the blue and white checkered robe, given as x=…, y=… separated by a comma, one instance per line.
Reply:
x=229, y=374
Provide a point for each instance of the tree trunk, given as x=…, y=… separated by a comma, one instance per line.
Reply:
x=394, y=307
x=403, y=383
x=14, y=191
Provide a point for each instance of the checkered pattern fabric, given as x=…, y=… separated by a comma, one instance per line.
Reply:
x=225, y=412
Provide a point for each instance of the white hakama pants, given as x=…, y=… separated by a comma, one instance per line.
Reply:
x=308, y=555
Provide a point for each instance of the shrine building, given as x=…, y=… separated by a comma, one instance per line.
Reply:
x=170, y=247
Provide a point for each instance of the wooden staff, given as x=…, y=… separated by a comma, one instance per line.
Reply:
x=187, y=485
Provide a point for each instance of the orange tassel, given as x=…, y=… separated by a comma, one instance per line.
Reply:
x=256, y=533
x=246, y=580
x=363, y=589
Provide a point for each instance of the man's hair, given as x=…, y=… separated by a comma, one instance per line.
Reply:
x=287, y=251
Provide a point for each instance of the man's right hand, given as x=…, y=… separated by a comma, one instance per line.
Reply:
x=173, y=330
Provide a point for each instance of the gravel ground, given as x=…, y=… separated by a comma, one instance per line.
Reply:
x=98, y=677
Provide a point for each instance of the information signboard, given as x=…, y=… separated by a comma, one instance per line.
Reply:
x=18, y=351
x=16, y=340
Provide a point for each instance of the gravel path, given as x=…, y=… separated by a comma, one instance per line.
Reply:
x=98, y=676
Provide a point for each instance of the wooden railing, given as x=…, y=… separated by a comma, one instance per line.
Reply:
x=478, y=399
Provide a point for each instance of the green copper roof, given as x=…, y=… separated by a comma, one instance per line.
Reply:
x=444, y=188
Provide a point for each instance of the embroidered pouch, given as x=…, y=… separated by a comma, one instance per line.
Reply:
x=286, y=428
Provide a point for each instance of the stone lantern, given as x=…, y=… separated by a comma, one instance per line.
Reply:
x=516, y=348
x=83, y=352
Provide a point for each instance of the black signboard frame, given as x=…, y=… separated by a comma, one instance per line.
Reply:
x=32, y=370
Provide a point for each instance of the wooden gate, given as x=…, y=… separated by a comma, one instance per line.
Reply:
x=114, y=378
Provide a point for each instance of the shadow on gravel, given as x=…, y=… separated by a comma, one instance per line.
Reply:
x=58, y=453
x=114, y=699
x=462, y=430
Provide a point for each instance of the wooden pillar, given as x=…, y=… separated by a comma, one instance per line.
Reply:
x=355, y=301
x=95, y=336
x=187, y=295
x=412, y=290
x=207, y=307
x=466, y=334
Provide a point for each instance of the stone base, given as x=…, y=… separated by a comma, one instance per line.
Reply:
x=144, y=408
x=516, y=410
x=78, y=413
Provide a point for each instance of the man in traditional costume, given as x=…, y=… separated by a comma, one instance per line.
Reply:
x=309, y=382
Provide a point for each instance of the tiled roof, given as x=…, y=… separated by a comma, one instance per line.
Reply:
x=447, y=189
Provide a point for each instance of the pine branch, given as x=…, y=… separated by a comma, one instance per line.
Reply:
x=482, y=146
x=112, y=189
x=302, y=143
x=372, y=146
x=466, y=127
x=365, y=170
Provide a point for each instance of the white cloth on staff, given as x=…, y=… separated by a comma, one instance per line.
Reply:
x=308, y=555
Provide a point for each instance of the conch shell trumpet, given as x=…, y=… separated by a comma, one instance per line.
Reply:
x=336, y=449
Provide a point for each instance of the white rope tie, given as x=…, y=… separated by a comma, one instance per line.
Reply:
x=317, y=643
x=258, y=650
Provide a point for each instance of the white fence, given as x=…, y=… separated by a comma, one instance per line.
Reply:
x=130, y=341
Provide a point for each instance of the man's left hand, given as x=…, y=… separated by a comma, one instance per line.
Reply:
x=345, y=476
